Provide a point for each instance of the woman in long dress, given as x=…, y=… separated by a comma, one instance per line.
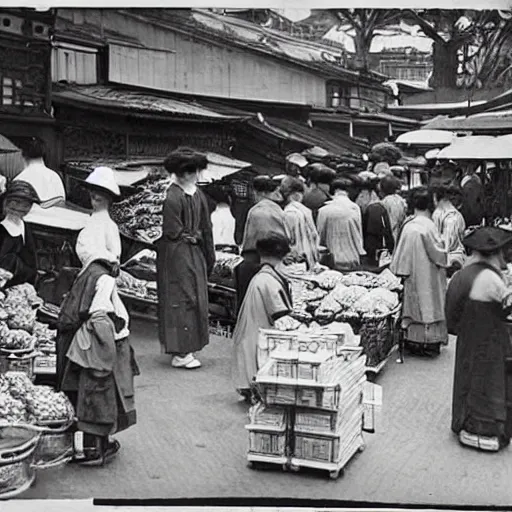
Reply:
x=420, y=260
x=17, y=248
x=476, y=307
x=95, y=361
x=185, y=258
x=268, y=298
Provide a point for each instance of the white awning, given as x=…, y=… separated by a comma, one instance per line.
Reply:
x=57, y=217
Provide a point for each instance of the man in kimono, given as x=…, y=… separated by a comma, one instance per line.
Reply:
x=340, y=227
x=265, y=218
x=420, y=260
x=299, y=220
x=186, y=257
x=450, y=224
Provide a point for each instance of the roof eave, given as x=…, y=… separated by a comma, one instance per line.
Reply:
x=99, y=106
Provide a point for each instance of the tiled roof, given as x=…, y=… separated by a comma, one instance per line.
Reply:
x=138, y=102
x=88, y=33
x=314, y=56
x=337, y=144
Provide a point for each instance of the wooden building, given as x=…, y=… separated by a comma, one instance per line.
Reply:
x=25, y=93
x=199, y=52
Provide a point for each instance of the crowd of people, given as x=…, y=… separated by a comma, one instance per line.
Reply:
x=453, y=281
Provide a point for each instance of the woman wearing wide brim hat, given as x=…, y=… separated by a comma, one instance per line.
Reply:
x=17, y=247
x=101, y=233
x=95, y=361
x=477, y=303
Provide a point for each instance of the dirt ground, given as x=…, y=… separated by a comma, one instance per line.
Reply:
x=190, y=441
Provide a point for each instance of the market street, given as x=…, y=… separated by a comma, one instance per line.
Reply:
x=190, y=441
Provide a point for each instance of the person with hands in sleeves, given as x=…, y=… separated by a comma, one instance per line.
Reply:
x=95, y=360
x=17, y=248
x=185, y=259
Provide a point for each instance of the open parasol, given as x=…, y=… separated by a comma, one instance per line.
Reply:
x=427, y=138
x=478, y=147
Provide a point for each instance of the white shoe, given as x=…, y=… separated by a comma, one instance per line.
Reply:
x=188, y=362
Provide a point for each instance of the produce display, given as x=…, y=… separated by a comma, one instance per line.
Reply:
x=142, y=265
x=140, y=215
x=224, y=269
x=23, y=402
x=366, y=301
x=19, y=329
x=136, y=288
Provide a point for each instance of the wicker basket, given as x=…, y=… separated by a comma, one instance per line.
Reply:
x=18, y=444
x=55, y=446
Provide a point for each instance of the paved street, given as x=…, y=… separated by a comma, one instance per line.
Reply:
x=190, y=442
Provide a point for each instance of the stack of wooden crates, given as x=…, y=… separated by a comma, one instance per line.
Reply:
x=311, y=411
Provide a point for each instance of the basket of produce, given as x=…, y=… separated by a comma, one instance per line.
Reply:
x=223, y=272
x=47, y=412
x=18, y=444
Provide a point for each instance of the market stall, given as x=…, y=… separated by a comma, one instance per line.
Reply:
x=370, y=303
x=34, y=418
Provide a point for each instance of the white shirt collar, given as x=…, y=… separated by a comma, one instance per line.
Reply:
x=13, y=228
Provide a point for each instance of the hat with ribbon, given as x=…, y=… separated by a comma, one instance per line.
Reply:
x=488, y=239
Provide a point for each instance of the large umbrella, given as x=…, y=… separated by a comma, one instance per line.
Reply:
x=11, y=161
x=477, y=147
x=426, y=138
x=6, y=146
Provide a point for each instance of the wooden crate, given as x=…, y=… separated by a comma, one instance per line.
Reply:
x=267, y=440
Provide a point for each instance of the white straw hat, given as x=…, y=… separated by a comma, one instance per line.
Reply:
x=103, y=177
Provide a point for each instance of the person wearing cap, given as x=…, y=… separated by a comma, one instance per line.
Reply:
x=268, y=298
x=265, y=218
x=186, y=256
x=340, y=227
x=421, y=260
x=17, y=247
x=95, y=360
x=295, y=163
x=450, y=223
x=320, y=177
x=46, y=182
x=395, y=204
x=477, y=304
x=299, y=219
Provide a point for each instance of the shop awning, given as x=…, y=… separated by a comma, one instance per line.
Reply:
x=57, y=217
x=427, y=137
x=132, y=172
x=335, y=143
x=485, y=122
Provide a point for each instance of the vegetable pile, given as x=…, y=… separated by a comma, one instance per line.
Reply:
x=19, y=329
x=23, y=402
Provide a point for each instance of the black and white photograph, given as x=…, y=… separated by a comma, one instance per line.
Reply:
x=255, y=252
